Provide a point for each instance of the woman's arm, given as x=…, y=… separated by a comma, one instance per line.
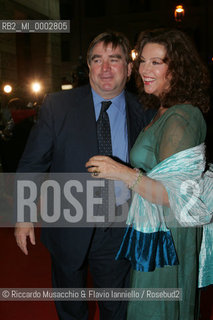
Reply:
x=180, y=132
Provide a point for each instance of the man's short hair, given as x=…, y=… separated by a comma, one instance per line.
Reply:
x=114, y=38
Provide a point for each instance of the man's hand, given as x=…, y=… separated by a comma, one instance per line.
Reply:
x=22, y=231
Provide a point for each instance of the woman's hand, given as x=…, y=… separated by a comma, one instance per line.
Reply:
x=150, y=189
x=105, y=167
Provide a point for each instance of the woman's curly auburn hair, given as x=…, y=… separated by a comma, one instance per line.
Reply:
x=190, y=78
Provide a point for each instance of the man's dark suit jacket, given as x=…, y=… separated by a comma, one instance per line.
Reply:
x=63, y=140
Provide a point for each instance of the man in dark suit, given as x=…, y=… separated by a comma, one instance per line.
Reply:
x=63, y=140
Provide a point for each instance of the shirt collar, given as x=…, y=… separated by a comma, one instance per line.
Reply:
x=118, y=102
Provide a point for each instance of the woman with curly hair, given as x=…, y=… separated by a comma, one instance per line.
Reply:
x=164, y=233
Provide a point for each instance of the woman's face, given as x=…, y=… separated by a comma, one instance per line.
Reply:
x=153, y=69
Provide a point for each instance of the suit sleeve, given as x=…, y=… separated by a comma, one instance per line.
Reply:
x=37, y=156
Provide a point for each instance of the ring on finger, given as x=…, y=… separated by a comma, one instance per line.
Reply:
x=95, y=173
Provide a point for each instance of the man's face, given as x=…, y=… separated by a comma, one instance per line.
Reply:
x=108, y=70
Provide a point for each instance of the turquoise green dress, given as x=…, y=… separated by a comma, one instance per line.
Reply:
x=179, y=128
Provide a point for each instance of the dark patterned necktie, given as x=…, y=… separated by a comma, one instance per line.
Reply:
x=103, y=130
x=105, y=148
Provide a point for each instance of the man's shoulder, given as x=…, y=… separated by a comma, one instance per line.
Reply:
x=137, y=109
x=131, y=96
x=65, y=101
x=69, y=94
x=133, y=102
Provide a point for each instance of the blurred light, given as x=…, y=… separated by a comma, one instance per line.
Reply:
x=36, y=87
x=179, y=13
x=134, y=54
x=66, y=86
x=7, y=88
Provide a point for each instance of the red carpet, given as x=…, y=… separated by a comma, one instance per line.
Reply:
x=33, y=271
